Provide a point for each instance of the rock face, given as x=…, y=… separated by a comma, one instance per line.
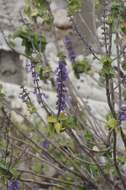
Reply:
x=10, y=13
x=12, y=71
x=87, y=26
x=11, y=67
x=61, y=19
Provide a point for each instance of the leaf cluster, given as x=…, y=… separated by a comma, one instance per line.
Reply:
x=80, y=67
x=31, y=40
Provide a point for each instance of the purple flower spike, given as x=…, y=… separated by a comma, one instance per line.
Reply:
x=13, y=185
x=122, y=113
x=39, y=97
x=29, y=66
x=71, y=53
x=45, y=144
x=62, y=77
x=35, y=76
x=24, y=95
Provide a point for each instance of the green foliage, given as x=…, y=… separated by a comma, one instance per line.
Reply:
x=97, y=3
x=43, y=71
x=111, y=122
x=123, y=29
x=74, y=6
x=30, y=40
x=77, y=153
x=61, y=123
x=70, y=122
x=80, y=67
x=37, y=167
x=8, y=172
x=110, y=20
x=107, y=69
x=54, y=126
x=116, y=9
x=106, y=61
x=91, y=168
x=31, y=107
x=2, y=99
x=38, y=8
x=2, y=94
x=61, y=55
x=122, y=159
x=88, y=136
x=124, y=65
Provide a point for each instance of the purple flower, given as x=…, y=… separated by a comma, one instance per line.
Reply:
x=45, y=144
x=71, y=53
x=39, y=97
x=29, y=66
x=24, y=95
x=122, y=113
x=35, y=76
x=62, y=77
x=37, y=88
x=13, y=185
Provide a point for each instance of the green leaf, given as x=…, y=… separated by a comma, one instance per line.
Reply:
x=31, y=40
x=112, y=123
x=116, y=9
x=70, y=122
x=42, y=71
x=124, y=66
x=2, y=94
x=107, y=69
x=58, y=127
x=34, y=13
x=62, y=117
x=74, y=6
x=31, y=108
x=7, y=171
x=82, y=66
x=52, y=119
x=37, y=167
x=4, y=171
x=88, y=136
x=105, y=60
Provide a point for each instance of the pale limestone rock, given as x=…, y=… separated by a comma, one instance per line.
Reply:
x=3, y=44
x=57, y=4
x=61, y=19
x=59, y=12
x=10, y=13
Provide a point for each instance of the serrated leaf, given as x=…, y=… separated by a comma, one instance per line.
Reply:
x=52, y=119
x=31, y=108
x=112, y=123
x=34, y=13
x=58, y=127
x=4, y=171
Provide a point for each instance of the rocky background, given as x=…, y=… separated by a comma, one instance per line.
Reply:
x=12, y=72
x=12, y=66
